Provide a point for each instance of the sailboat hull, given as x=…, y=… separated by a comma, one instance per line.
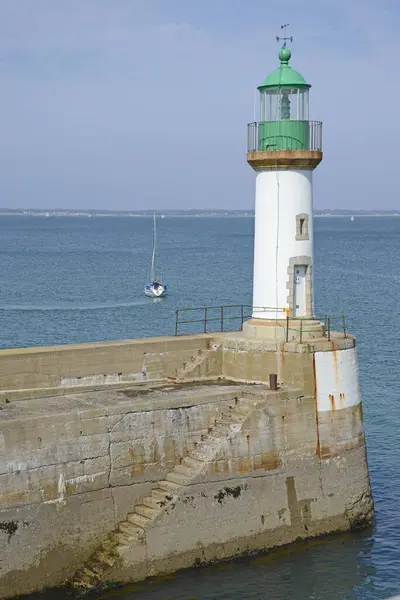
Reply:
x=155, y=292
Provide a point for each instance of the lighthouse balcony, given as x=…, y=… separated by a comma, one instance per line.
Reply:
x=275, y=136
x=284, y=144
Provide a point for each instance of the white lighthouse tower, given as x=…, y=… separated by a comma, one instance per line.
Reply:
x=284, y=148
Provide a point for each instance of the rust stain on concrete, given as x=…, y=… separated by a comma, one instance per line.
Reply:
x=335, y=361
x=269, y=461
x=325, y=451
x=138, y=462
x=318, y=447
x=283, y=356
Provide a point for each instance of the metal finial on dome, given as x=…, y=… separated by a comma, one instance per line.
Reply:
x=285, y=38
x=284, y=53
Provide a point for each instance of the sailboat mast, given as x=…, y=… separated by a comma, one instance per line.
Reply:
x=153, y=258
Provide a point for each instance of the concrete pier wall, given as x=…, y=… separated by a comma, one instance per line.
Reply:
x=113, y=484
x=23, y=371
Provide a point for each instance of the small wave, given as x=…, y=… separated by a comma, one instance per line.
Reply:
x=67, y=307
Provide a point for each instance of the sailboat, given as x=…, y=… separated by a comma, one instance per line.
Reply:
x=155, y=288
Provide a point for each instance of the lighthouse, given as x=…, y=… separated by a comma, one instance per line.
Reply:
x=284, y=148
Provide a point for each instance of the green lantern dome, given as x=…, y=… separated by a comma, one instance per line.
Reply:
x=284, y=76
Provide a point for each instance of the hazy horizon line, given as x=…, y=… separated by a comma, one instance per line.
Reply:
x=181, y=210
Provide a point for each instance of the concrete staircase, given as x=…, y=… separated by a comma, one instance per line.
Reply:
x=192, y=369
x=153, y=366
x=133, y=530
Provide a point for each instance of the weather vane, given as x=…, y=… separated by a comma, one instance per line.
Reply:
x=284, y=39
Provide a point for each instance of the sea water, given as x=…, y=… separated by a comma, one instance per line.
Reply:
x=74, y=279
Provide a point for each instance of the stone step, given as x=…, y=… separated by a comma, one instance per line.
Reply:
x=85, y=578
x=170, y=486
x=240, y=414
x=209, y=440
x=244, y=409
x=162, y=495
x=121, y=549
x=193, y=462
x=131, y=530
x=139, y=520
x=155, y=503
x=184, y=470
x=108, y=547
x=233, y=412
x=121, y=539
x=147, y=511
x=248, y=402
x=104, y=558
x=240, y=410
x=238, y=419
x=201, y=455
x=222, y=430
x=225, y=414
x=191, y=372
x=178, y=478
x=81, y=584
x=218, y=426
x=228, y=421
x=96, y=568
x=215, y=437
x=207, y=448
x=219, y=432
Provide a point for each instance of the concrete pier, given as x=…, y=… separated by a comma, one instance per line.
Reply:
x=123, y=460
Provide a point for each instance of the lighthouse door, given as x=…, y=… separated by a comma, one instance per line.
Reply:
x=299, y=291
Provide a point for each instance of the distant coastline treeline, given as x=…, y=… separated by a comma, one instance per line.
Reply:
x=68, y=212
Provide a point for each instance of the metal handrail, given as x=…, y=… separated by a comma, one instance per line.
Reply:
x=246, y=312
x=222, y=317
x=326, y=318
x=269, y=136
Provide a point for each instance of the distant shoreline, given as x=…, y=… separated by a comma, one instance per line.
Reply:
x=179, y=214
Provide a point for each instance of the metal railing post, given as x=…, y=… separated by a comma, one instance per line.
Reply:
x=222, y=318
x=344, y=325
x=301, y=331
x=241, y=315
x=287, y=328
x=329, y=329
x=176, y=321
x=205, y=320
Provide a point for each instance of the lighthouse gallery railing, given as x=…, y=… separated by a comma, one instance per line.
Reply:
x=213, y=319
x=275, y=136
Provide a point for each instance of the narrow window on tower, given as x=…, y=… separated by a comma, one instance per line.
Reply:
x=302, y=227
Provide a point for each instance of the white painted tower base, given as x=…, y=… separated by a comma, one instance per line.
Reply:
x=283, y=245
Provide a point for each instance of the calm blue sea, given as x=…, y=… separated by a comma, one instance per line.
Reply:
x=72, y=279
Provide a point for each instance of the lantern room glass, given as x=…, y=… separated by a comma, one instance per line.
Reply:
x=284, y=104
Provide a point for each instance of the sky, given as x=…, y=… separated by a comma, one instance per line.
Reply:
x=138, y=104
